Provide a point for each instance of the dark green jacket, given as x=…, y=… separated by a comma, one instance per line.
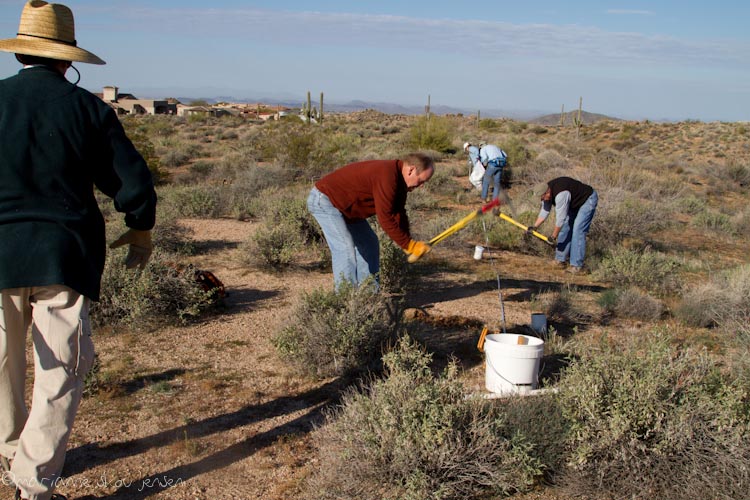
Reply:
x=58, y=141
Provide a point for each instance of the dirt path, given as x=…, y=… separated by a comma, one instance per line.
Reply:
x=209, y=411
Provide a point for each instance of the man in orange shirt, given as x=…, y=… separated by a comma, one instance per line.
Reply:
x=342, y=201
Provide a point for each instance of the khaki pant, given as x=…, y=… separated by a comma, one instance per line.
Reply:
x=63, y=353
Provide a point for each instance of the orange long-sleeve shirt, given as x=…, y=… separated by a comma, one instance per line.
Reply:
x=363, y=189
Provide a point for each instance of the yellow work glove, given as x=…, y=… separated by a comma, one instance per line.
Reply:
x=416, y=249
x=140, y=247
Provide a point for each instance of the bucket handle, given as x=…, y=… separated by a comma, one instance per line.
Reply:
x=480, y=344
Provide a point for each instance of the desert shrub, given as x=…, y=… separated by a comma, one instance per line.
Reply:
x=145, y=147
x=490, y=125
x=414, y=436
x=620, y=216
x=562, y=306
x=442, y=182
x=160, y=293
x=649, y=421
x=631, y=303
x=517, y=150
x=421, y=199
x=713, y=221
x=645, y=268
x=691, y=205
x=723, y=301
x=734, y=172
x=170, y=236
x=331, y=151
x=431, y=132
x=201, y=169
x=339, y=332
x=394, y=269
x=272, y=247
x=288, y=229
x=180, y=154
x=193, y=201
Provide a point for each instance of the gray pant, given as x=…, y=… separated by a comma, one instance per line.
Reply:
x=63, y=353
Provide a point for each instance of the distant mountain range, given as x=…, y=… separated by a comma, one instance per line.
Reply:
x=569, y=117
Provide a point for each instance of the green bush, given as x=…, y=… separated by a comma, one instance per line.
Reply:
x=272, y=247
x=339, y=332
x=723, y=301
x=414, y=436
x=193, y=201
x=631, y=303
x=433, y=133
x=160, y=293
x=649, y=421
x=394, y=269
x=622, y=216
x=146, y=148
x=646, y=268
x=288, y=231
x=713, y=221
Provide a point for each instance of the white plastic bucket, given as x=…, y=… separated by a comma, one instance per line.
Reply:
x=478, y=251
x=539, y=322
x=512, y=362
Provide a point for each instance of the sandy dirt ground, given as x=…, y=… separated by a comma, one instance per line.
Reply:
x=209, y=411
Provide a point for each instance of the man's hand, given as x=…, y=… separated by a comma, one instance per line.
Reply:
x=416, y=249
x=140, y=247
x=530, y=231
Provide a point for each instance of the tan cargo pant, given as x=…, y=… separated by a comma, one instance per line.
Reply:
x=63, y=354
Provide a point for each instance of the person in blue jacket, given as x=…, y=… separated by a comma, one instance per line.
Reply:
x=493, y=159
x=57, y=142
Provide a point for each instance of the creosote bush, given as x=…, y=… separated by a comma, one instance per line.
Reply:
x=159, y=293
x=339, y=332
x=650, y=421
x=416, y=436
x=631, y=303
x=645, y=268
x=288, y=231
x=431, y=132
x=723, y=301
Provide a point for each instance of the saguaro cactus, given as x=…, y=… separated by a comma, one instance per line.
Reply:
x=577, y=120
x=308, y=113
x=320, y=110
x=562, y=116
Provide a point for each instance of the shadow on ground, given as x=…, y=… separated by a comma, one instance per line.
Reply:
x=316, y=400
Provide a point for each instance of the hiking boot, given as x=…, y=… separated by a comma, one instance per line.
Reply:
x=577, y=270
x=559, y=265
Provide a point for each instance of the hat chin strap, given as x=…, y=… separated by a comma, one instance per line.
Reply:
x=77, y=72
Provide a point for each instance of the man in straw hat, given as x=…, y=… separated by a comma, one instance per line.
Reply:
x=57, y=141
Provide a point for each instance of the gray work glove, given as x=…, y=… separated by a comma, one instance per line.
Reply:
x=140, y=247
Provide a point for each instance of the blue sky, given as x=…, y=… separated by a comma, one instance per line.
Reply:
x=632, y=59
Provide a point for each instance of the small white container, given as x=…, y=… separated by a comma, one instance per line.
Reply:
x=478, y=251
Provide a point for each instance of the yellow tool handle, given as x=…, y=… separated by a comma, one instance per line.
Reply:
x=526, y=228
x=480, y=344
x=453, y=229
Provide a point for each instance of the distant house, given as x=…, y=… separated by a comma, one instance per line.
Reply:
x=183, y=110
x=128, y=104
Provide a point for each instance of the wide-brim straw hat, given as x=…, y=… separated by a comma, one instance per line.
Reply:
x=48, y=30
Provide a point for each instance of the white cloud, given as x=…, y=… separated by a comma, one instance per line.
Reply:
x=495, y=41
x=630, y=12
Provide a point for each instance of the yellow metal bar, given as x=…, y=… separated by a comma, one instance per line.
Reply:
x=526, y=228
x=454, y=228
